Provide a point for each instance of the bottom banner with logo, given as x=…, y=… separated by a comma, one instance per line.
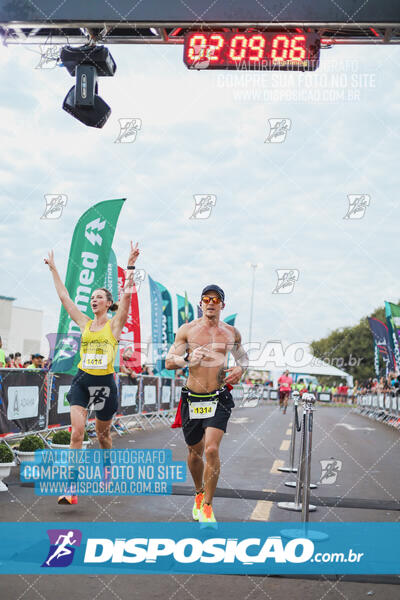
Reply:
x=224, y=548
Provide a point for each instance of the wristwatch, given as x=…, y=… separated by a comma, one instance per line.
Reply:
x=131, y=267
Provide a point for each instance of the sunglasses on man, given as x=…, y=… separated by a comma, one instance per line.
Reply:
x=212, y=299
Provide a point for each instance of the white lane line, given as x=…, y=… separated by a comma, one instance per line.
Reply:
x=289, y=431
x=351, y=428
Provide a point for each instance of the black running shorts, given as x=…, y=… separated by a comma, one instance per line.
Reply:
x=193, y=429
x=94, y=392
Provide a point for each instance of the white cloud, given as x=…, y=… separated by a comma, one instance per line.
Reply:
x=279, y=204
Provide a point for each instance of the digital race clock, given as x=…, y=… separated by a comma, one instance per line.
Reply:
x=251, y=50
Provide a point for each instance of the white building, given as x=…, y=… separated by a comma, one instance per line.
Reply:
x=20, y=328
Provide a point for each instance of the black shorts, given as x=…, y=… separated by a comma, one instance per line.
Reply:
x=193, y=429
x=94, y=392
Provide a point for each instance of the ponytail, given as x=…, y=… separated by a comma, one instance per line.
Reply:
x=114, y=305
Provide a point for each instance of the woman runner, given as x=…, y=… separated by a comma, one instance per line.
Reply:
x=93, y=387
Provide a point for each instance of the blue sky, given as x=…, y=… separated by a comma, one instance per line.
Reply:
x=279, y=204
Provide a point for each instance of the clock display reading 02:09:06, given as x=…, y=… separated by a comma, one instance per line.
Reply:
x=227, y=50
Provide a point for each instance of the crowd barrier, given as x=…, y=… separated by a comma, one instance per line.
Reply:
x=383, y=407
x=35, y=401
x=23, y=401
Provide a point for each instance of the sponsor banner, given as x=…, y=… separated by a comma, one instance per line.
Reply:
x=111, y=284
x=150, y=395
x=167, y=338
x=392, y=312
x=23, y=400
x=185, y=310
x=59, y=408
x=381, y=338
x=129, y=397
x=189, y=308
x=179, y=383
x=88, y=259
x=130, y=334
x=231, y=319
x=103, y=472
x=156, y=324
x=165, y=393
x=174, y=547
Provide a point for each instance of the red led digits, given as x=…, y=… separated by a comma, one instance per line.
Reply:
x=216, y=43
x=197, y=46
x=280, y=48
x=256, y=48
x=237, y=50
x=297, y=50
x=252, y=50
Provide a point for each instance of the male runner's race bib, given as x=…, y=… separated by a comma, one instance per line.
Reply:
x=94, y=361
x=202, y=410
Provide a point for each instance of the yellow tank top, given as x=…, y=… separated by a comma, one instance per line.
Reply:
x=98, y=350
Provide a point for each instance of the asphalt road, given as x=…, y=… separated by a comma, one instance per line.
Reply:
x=256, y=443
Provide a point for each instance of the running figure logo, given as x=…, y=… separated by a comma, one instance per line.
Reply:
x=286, y=281
x=54, y=206
x=61, y=551
x=278, y=129
x=357, y=206
x=203, y=205
x=201, y=58
x=98, y=396
x=128, y=129
x=138, y=277
x=329, y=470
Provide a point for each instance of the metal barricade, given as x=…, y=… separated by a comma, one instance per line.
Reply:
x=295, y=427
x=302, y=494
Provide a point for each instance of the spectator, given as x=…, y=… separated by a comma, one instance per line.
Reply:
x=9, y=364
x=36, y=361
x=17, y=361
x=26, y=364
x=147, y=370
x=2, y=355
x=127, y=363
x=47, y=364
x=12, y=364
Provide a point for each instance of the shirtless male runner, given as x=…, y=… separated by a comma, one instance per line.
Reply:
x=206, y=401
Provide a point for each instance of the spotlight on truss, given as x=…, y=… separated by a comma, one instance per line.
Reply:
x=87, y=63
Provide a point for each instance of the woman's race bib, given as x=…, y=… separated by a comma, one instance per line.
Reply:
x=94, y=361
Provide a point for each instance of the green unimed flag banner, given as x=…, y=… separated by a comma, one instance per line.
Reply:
x=392, y=312
x=189, y=309
x=111, y=284
x=87, y=265
x=167, y=335
x=231, y=319
x=185, y=310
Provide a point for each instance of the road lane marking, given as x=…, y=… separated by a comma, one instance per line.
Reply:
x=351, y=428
x=261, y=511
x=289, y=431
x=277, y=463
x=285, y=445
